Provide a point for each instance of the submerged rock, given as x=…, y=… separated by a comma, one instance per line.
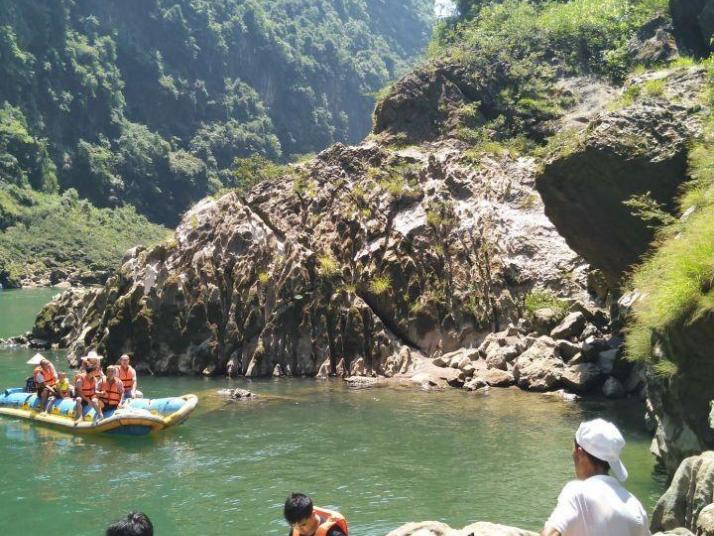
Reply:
x=243, y=394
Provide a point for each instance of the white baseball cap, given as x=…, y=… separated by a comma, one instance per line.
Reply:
x=603, y=440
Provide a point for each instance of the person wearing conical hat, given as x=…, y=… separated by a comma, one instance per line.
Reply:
x=597, y=504
x=45, y=378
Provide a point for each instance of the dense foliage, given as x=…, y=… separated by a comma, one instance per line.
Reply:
x=520, y=49
x=44, y=232
x=148, y=102
x=677, y=280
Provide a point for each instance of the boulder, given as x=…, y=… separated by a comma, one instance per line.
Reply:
x=612, y=388
x=691, y=491
x=426, y=528
x=441, y=361
x=544, y=320
x=362, y=382
x=705, y=521
x=582, y=377
x=242, y=394
x=568, y=350
x=474, y=384
x=501, y=356
x=694, y=23
x=637, y=150
x=539, y=368
x=435, y=528
x=606, y=360
x=571, y=326
x=482, y=528
x=497, y=377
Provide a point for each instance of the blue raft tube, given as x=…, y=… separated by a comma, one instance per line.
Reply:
x=137, y=416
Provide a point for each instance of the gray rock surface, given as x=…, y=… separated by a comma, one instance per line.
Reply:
x=435, y=528
x=582, y=377
x=539, y=368
x=571, y=326
x=691, y=490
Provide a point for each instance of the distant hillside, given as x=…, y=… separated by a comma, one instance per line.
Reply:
x=147, y=102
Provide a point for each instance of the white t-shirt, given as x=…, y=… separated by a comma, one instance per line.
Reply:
x=598, y=506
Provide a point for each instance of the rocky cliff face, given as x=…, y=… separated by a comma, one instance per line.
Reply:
x=639, y=149
x=695, y=22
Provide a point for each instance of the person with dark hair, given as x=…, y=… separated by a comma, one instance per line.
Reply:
x=308, y=520
x=135, y=524
x=596, y=503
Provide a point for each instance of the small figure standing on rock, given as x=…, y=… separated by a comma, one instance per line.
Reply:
x=308, y=520
x=596, y=503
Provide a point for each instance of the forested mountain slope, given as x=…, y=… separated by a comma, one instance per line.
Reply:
x=148, y=101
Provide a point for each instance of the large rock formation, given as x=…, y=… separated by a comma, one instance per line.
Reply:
x=637, y=150
x=694, y=20
x=690, y=493
x=352, y=256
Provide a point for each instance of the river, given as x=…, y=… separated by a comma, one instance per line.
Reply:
x=382, y=456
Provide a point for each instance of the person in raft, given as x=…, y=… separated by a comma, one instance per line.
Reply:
x=62, y=390
x=308, y=520
x=45, y=378
x=127, y=375
x=85, y=386
x=596, y=503
x=110, y=390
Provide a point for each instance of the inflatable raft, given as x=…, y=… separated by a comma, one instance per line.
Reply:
x=139, y=416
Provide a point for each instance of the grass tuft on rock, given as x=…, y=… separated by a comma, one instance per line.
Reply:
x=677, y=279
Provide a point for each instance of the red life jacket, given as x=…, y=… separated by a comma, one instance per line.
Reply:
x=48, y=374
x=89, y=385
x=127, y=377
x=111, y=395
x=329, y=520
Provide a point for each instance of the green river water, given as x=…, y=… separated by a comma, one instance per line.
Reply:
x=382, y=456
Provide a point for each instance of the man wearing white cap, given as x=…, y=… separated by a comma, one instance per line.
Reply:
x=596, y=504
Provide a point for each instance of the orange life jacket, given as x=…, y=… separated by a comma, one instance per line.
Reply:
x=329, y=519
x=127, y=377
x=89, y=385
x=111, y=395
x=49, y=376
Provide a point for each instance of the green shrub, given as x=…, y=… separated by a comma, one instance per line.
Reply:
x=328, y=266
x=380, y=285
x=654, y=88
x=677, y=278
x=545, y=299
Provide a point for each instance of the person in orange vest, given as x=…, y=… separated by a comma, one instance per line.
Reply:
x=86, y=387
x=110, y=390
x=308, y=520
x=45, y=377
x=127, y=375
